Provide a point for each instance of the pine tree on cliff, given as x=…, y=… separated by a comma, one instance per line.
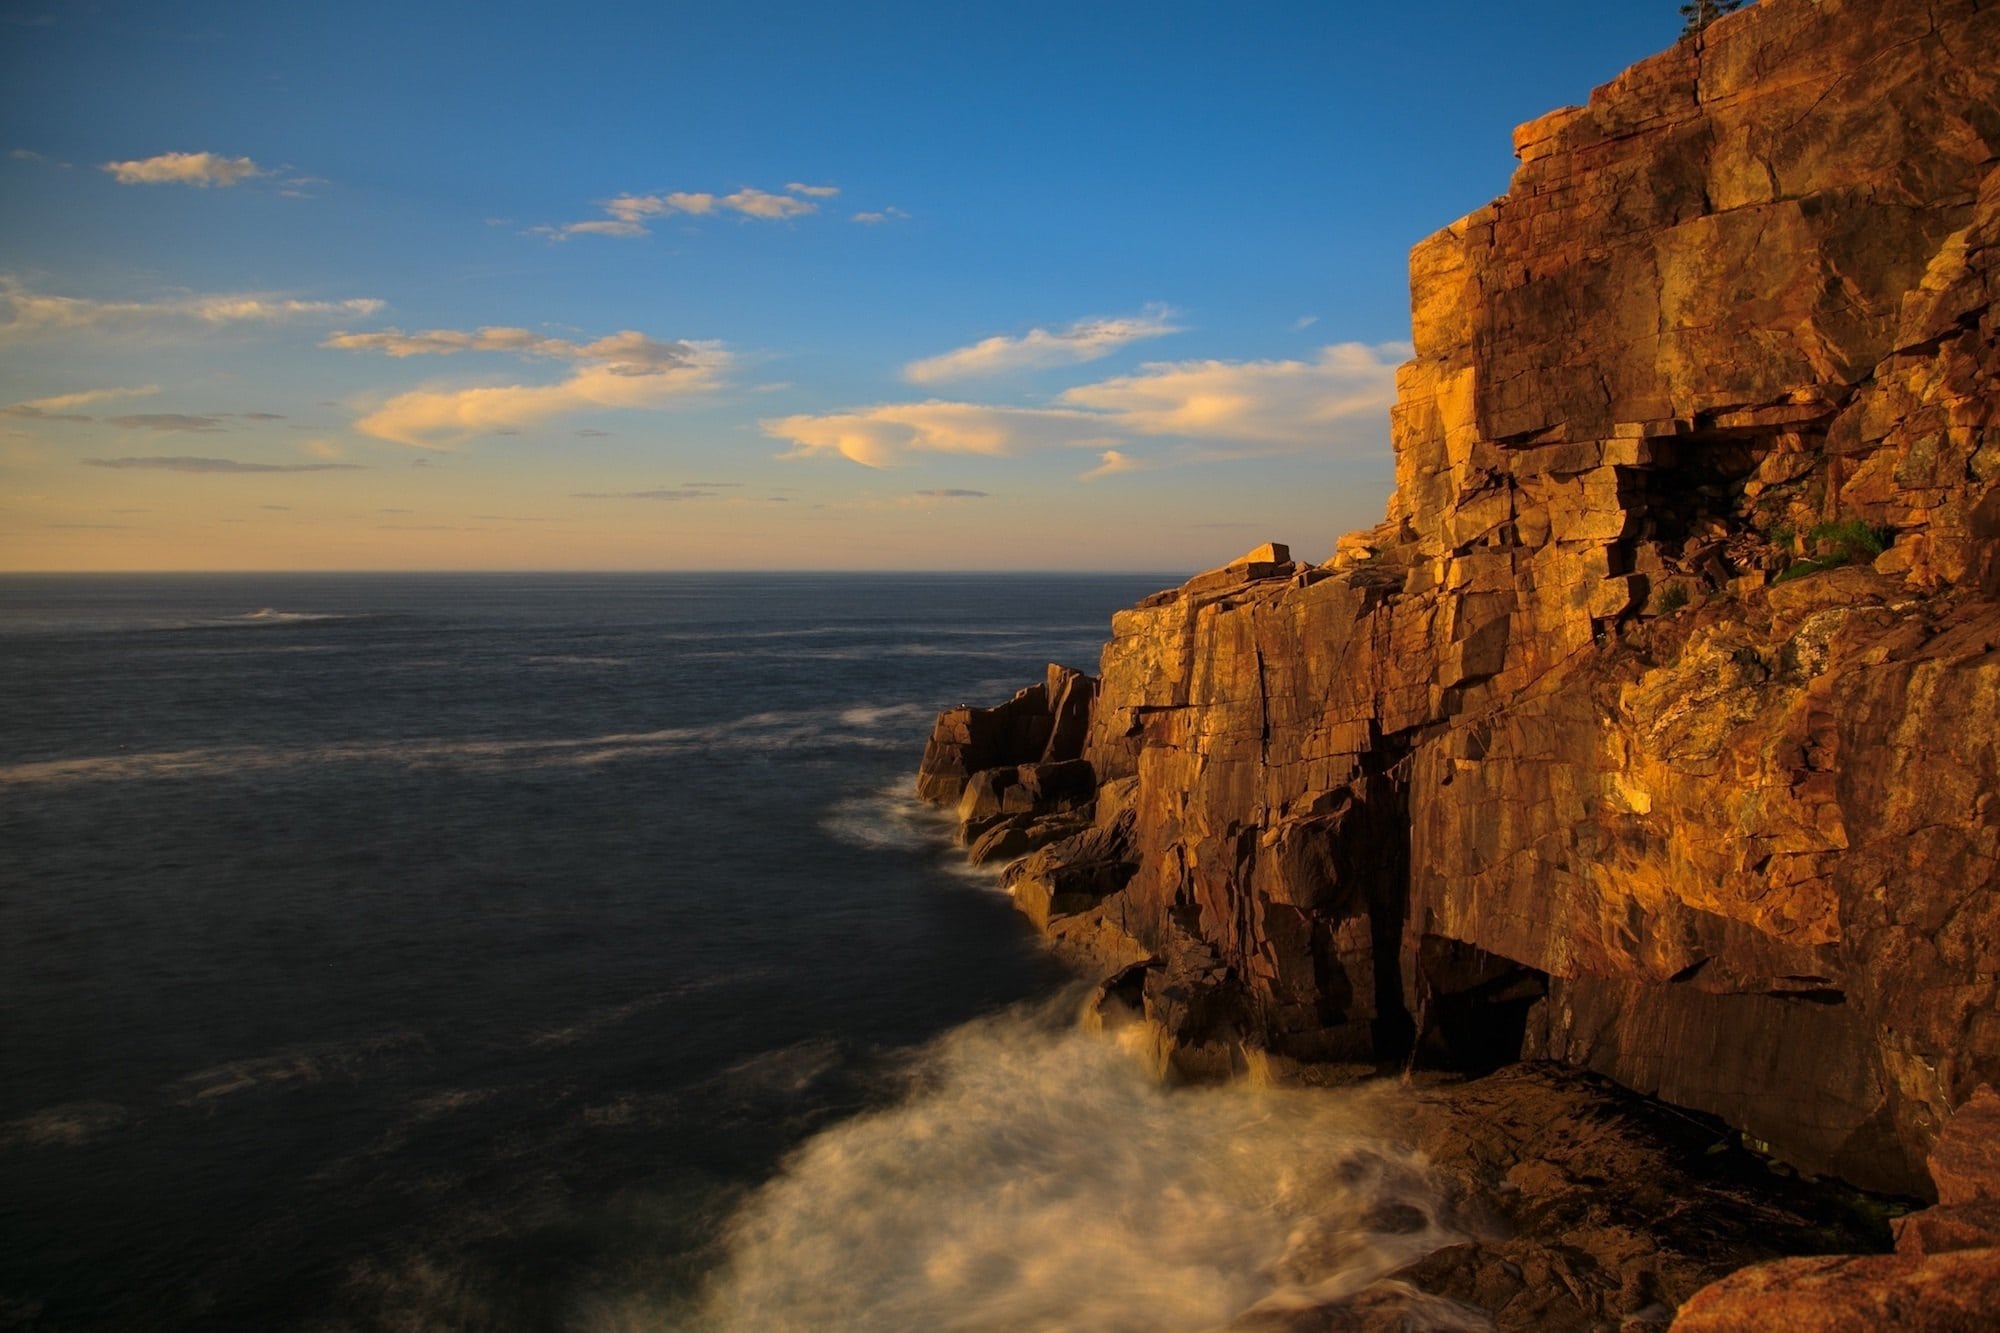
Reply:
x=1700, y=13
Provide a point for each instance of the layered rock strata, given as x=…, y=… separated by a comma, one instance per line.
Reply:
x=1656, y=730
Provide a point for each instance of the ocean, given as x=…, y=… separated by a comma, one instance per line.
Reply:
x=567, y=952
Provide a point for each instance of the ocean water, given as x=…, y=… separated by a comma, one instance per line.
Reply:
x=566, y=952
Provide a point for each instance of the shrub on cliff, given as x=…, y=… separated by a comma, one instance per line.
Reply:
x=1667, y=599
x=1698, y=14
x=1848, y=542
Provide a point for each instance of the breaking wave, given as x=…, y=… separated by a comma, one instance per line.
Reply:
x=890, y=819
x=1037, y=1176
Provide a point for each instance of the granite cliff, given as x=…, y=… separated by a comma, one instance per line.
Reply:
x=1655, y=730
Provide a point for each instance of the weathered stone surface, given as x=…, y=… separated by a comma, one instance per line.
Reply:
x=1044, y=723
x=1573, y=1207
x=1944, y=1275
x=1017, y=835
x=1945, y=1293
x=1588, y=752
x=1966, y=1162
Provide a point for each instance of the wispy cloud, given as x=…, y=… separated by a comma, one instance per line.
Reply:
x=62, y=406
x=633, y=351
x=184, y=464
x=28, y=314
x=199, y=169
x=1338, y=402
x=1085, y=340
x=592, y=227
x=167, y=421
x=950, y=493
x=672, y=494
x=626, y=215
x=889, y=214
x=880, y=436
x=624, y=370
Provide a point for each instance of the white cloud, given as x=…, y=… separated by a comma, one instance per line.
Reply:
x=200, y=169
x=441, y=418
x=773, y=207
x=628, y=213
x=26, y=314
x=627, y=352
x=1110, y=463
x=889, y=214
x=880, y=436
x=1085, y=340
x=599, y=227
x=1304, y=322
x=633, y=207
x=1287, y=404
x=1338, y=402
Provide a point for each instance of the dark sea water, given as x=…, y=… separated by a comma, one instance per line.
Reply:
x=566, y=952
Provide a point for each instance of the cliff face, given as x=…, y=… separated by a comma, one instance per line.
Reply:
x=1590, y=752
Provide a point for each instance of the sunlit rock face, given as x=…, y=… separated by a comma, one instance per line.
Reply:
x=1590, y=752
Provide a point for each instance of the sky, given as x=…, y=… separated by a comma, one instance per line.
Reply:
x=652, y=286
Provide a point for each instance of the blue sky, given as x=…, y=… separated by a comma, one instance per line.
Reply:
x=657, y=286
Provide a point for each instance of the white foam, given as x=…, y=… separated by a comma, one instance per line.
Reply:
x=876, y=716
x=578, y=660
x=1040, y=1178
x=65, y=1126
x=889, y=819
x=874, y=727
x=272, y=616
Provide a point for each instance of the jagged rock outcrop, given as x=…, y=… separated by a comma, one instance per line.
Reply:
x=1944, y=1275
x=1657, y=729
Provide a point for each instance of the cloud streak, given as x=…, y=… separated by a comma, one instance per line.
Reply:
x=626, y=215
x=186, y=464
x=26, y=314
x=881, y=436
x=624, y=370
x=62, y=406
x=670, y=494
x=198, y=169
x=1085, y=340
x=167, y=421
x=634, y=351
x=1338, y=401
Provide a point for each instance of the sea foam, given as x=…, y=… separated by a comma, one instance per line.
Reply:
x=1036, y=1176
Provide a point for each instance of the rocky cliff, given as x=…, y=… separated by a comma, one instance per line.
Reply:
x=1656, y=730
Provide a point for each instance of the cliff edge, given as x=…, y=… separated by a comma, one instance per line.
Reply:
x=1656, y=730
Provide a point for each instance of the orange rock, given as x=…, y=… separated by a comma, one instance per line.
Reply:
x=1473, y=788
